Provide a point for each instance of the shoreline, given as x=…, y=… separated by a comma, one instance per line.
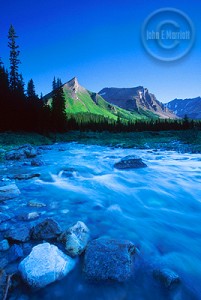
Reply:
x=188, y=141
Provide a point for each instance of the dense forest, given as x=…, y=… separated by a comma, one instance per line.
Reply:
x=22, y=110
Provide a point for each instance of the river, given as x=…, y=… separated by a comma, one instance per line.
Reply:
x=158, y=208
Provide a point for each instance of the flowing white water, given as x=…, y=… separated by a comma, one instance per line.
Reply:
x=158, y=208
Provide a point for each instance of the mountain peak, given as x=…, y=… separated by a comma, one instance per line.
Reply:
x=72, y=84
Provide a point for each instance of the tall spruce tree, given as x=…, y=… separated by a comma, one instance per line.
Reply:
x=14, y=59
x=58, y=107
x=31, y=92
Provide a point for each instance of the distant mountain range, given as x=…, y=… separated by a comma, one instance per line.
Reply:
x=189, y=107
x=126, y=103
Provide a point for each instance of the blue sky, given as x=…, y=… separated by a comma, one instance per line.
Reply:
x=99, y=42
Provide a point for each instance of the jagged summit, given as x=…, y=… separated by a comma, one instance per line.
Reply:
x=136, y=99
x=72, y=84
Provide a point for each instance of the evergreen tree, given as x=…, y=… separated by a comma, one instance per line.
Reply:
x=58, y=107
x=14, y=59
x=31, y=93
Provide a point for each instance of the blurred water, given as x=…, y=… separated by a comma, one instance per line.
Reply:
x=158, y=208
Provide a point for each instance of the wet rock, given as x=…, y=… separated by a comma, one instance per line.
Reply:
x=29, y=216
x=5, y=217
x=36, y=162
x=3, y=279
x=107, y=259
x=167, y=277
x=48, y=229
x=3, y=262
x=15, y=253
x=75, y=239
x=4, y=227
x=8, y=192
x=4, y=245
x=67, y=173
x=23, y=176
x=18, y=234
x=130, y=162
x=44, y=265
x=30, y=152
x=36, y=204
x=25, y=151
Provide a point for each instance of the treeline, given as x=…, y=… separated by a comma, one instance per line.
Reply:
x=21, y=109
x=89, y=122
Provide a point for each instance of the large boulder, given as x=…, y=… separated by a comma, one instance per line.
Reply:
x=8, y=192
x=25, y=151
x=107, y=259
x=18, y=234
x=44, y=265
x=46, y=230
x=130, y=162
x=75, y=238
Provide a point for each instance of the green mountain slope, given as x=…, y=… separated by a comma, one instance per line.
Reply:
x=79, y=101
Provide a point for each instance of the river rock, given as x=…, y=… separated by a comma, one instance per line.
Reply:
x=48, y=229
x=167, y=277
x=5, y=217
x=44, y=265
x=107, y=259
x=23, y=176
x=25, y=151
x=36, y=162
x=75, y=239
x=29, y=216
x=4, y=245
x=3, y=279
x=36, y=204
x=8, y=192
x=130, y=162
x=15, y=252
x=18, y=234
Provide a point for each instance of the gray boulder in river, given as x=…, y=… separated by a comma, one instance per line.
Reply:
x=130, y=162
x=25, y=151
x=107, y=259
x=44, y=265
x=75, y=239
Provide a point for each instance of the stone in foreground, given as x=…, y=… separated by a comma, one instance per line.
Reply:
x=18, y=234
x=167, y=277
x=130, y=162
x=48, y=229
x=107, y=259
x=44, y=265
x=75, y=239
